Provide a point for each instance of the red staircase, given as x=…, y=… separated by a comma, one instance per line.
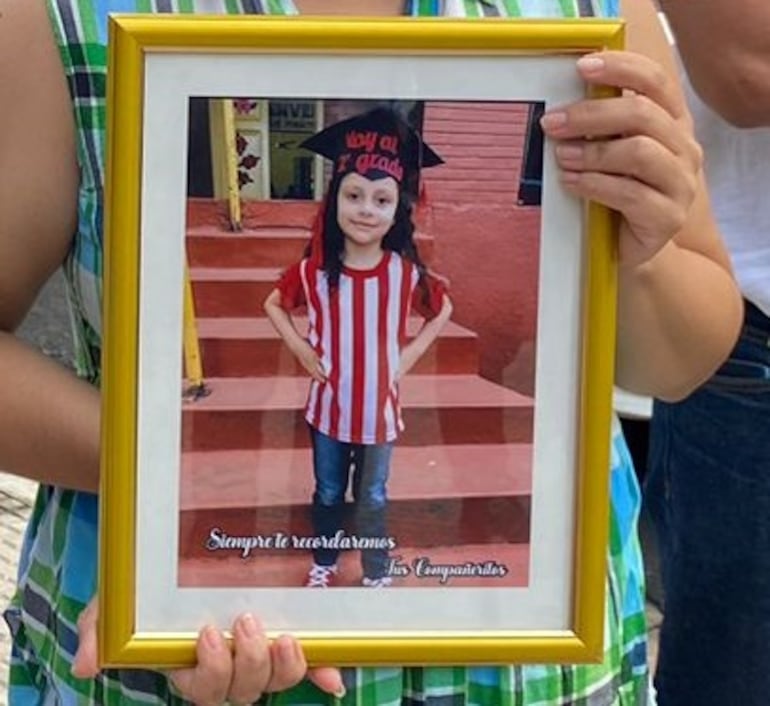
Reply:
x=460, y=479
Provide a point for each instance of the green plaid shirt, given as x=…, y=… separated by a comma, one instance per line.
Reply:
x=57, y=573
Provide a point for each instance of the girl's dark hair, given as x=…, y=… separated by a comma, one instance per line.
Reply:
x=399, y=239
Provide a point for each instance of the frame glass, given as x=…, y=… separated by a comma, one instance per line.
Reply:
x=498, y=488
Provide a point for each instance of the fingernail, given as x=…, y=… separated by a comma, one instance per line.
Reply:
x=590, y=64
x=569, y=153
x=553, y=121
x=340, y=693
x=213, y=638
x=286, y=648
x=249, y=625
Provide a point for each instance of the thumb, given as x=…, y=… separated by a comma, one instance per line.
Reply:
x=328, y=679
x=85, y=665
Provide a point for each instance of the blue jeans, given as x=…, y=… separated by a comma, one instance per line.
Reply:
x=708, y=491
x=333, y=462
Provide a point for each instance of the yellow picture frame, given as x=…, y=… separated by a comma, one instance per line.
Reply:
x=136, y=40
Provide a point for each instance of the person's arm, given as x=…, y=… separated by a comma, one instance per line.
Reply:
x=414, y=350
x=679, y=309
x=49, y=420
x=725, y=48
x=679, y=313
x=300, y=348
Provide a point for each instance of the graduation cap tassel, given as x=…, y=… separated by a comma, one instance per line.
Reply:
x=423, y=213
x=422, y=196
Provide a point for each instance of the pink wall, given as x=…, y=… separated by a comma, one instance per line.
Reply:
x=490, y=256
x=485, y=243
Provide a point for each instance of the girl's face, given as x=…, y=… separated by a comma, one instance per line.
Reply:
x=366, y=209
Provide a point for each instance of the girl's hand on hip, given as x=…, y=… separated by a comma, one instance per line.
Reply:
x=254, y=666
x=310, y=361
x=634, y=153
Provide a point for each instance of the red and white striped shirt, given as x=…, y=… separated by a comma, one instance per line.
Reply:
x=358, y=332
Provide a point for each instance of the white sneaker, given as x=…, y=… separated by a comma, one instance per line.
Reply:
x=382, y=582
x=321, y=576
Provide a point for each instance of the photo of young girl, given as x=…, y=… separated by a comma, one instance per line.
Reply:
x=367, y=340
x=361, y=276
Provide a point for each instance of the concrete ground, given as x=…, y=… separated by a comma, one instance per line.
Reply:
x=16, y=497
x=47, y=326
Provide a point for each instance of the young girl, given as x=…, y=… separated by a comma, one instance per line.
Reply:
x=360, y=279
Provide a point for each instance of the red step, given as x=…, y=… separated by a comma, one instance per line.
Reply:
x=243, y=347
x=255, y=478
x=227, y=569
x=273, y=247
x=209, y=246
x=231, y=291
x=278, y=212
x=268, y=412
x=411, y=522
x=254, y=214
x=437, y=495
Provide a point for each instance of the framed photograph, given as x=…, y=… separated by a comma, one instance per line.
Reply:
x=396, y=452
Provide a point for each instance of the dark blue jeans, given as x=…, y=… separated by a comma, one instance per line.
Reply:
x=708, y=491
x=333, y=463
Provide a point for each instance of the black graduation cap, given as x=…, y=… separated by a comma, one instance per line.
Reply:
x=375, y=144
